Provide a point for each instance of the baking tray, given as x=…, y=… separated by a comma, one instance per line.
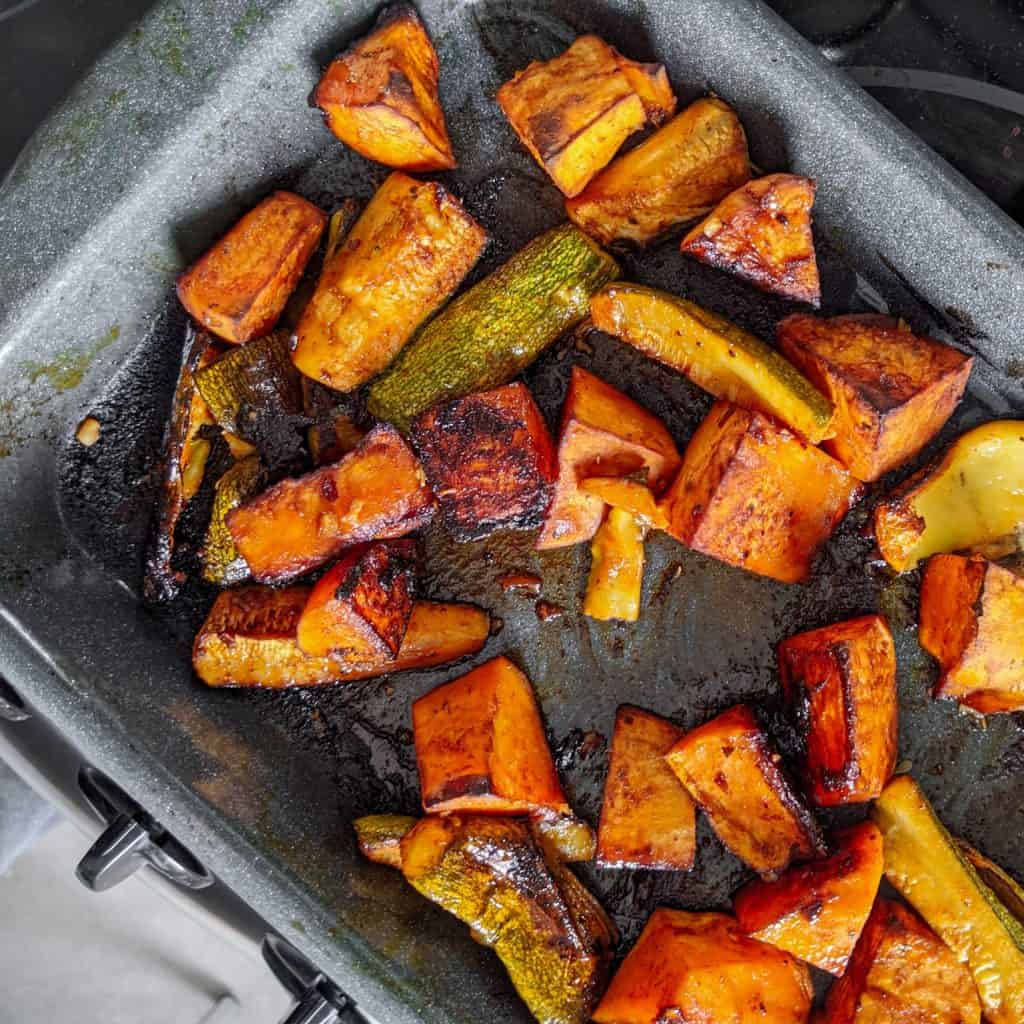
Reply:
x=196, y=114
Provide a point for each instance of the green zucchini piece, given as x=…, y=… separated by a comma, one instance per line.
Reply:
x=1007, y=888
x=222, y=564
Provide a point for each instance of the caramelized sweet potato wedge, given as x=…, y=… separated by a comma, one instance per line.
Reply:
x=702, y=968
x=647, y=818
x=729, y=768
x=240, y=286
x=408, y=251
x=380, y=837
x=762, y=234
x=755, y=495
x=481, y=747
x=816, y=911
x=376, y=492
x=380, y=96
x=616, y=569
x=489, y=459
x=604, y=433
x=360, y=607
x=676, y=175
x=892, y=389
x=841, y=684
x=972, y=621
x=249, y=639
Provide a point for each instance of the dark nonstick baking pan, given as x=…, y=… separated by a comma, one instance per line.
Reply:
x=191, y=118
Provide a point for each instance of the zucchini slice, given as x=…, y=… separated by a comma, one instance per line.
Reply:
x=222, y=564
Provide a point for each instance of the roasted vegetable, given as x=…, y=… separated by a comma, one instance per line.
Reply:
x=360, y=607
x=714, y=353
x=892, y=389
x=604, y=433
x=901, y=973
x=650, y=82
x=568, y=837
x=403, y=258
x=248, y=639
x=762, y=234
x=701, y=968
x=756, y=496
x=376, y=492
x=552, y=936
x=631, y=496
x=490, y=461
x=497, y=328
x=972, y=621
x=676, y=175
x=480, y=746
x=239, y=288
x=925, y=864
x=616, y=569
x=185, y=455
x=972, y=495
x=816, y=911
x=732, y=772
x=380, y=95
x=336, y=422
x=1007, y=889
x=380, y=837
x=841, y=684
x=647, y=818
x=222, y=564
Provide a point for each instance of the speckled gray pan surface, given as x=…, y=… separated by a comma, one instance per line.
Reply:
x=200, y=111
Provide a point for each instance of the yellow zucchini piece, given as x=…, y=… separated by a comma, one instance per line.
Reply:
x=222, y=564
x=616, y=569
x=1009, y=891
x=631, y=496
x=380, y=837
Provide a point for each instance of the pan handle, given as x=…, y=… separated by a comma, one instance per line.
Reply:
x=318, y=999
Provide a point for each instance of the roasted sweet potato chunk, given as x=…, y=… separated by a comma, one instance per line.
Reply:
x=480, y=746
x=604, y=433
x=676, y=175
x=376, y=492
x=731, y=770
x=892, y=389
x=380, y=837
x=407, y=253
x=248, y=639
x=753, y=494
x=647, y=818
x=380, y=96
x=762, y=234
x=650, y=82
x=240, y=286
x=901, y=973
x=816, y=911
x=841, y=683
x=972, y=621
x=360, y=608
x=702, y=968
x=616, y=569
x=490, y=460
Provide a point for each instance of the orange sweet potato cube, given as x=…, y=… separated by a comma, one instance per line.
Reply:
x=650, y=82
x=972, y=621
x=647, y=818
x=755, y=495
x=841, y=683
x=734, y=775
x=892, y=389
x=702, y=968
x=604, y=434
x=816, y=911
x=240, y=286
x=481, y=747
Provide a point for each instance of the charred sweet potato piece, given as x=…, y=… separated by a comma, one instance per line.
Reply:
x=901, y=973
x=380, y=96
x=376, y=492
x=604, y=433
x=732, y=772
x=755, y=495
x=248, y=639
x=490, y=460
x=380, y=837
x=762, y=234
x=616, y=569
x=650, y=82
x=676, y=175
x=972, y=621
x=841, y=683
x=892, y=389
x=360, y=608
x=702, y=968
x=240, y=286
x=816, y=911
x=481, y=747
x=405, y=255
x=647, y=818
x=631, y=496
